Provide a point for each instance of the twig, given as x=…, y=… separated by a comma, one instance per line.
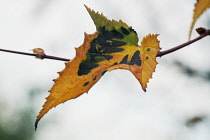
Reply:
x=55, y=58
x=203, y=33
x=36, y=55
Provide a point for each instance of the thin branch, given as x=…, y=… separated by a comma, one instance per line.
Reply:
x=24, y=53
x=55, y=58
x=36, y=55
x=203, y=33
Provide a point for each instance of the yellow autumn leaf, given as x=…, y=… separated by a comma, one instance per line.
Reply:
x=200, y=7
x=113, y=46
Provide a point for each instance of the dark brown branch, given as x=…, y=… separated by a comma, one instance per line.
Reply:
x=203, y=33
x=36, y=55
x=55, y=58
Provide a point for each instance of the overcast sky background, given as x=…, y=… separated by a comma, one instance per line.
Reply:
x=116, y=107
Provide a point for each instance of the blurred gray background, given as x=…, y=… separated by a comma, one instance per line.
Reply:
x=176, y=105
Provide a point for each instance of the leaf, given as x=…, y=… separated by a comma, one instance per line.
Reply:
x=200, y=7
x=113, y=46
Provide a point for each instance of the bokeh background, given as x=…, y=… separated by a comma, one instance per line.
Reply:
x=175, y=106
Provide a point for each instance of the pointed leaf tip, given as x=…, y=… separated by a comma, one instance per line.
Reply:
x=200, y=7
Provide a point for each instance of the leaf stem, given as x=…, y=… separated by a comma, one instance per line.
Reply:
x=203, y=34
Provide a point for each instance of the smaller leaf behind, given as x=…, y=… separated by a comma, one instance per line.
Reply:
x=200, y=7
